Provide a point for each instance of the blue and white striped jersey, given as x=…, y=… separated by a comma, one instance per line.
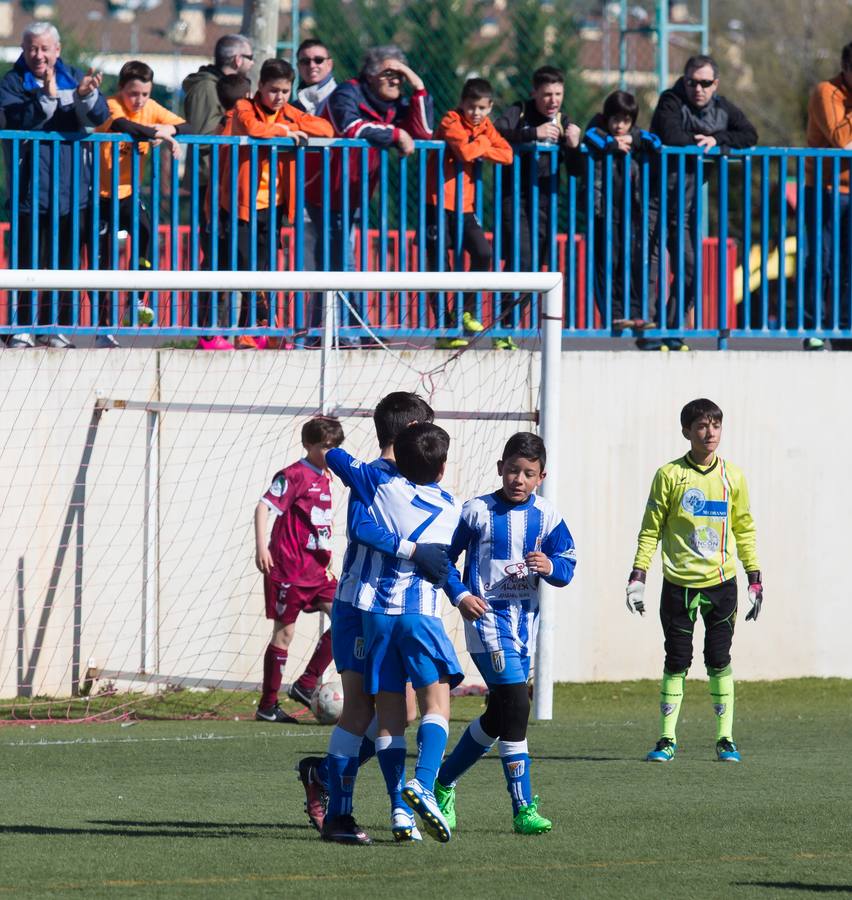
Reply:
x=365, y=534
x=412, y=512
x=496, y=536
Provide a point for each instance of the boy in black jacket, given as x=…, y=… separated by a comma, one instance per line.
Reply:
x=614, y=133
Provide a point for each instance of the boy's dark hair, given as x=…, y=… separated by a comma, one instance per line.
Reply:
x=846, y=58
x=135, y=70
x=322, y=429
x=621, y=103
x=526, y=445
x=698, y=409
x=230, y=88
x=275, y=70
x=699, y=62
x=395, y=412
x=477, y=89
x=421, y=452
x=547, y=75
x=310, y=43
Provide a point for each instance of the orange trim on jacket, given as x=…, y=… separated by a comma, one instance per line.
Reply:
x=466, y=143
x=250, y=117
x=830, y=126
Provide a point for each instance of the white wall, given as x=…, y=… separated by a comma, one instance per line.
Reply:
x=785, y=426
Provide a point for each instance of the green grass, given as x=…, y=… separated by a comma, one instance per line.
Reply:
x=213, y=809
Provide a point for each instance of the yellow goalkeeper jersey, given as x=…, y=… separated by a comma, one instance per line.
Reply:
x=701, y=516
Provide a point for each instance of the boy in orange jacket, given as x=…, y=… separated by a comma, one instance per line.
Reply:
x=267, y=115
x=470, y=136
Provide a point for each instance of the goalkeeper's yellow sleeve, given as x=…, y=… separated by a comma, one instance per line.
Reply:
x=701, y=515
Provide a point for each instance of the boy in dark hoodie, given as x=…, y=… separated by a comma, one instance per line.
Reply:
x=613, y=133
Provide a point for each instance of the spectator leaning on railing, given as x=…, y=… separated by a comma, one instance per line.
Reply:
x=829, y=126
x=41, y=93
x=690, y=114
x=372, y=107
x=538, y=119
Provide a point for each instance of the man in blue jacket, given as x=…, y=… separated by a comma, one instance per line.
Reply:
x=41, y=93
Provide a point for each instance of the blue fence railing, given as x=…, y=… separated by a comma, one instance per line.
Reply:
x=657, y=247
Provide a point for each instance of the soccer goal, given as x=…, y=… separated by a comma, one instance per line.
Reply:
x=130, y=477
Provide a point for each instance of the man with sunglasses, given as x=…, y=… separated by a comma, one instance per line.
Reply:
x=316, y=78
x=690, y=114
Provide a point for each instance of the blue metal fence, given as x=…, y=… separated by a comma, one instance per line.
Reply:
x=752, y=247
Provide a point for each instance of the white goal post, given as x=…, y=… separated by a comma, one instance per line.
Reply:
x=549, y=284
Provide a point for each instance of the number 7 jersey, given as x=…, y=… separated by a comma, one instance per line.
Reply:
x=415, y=512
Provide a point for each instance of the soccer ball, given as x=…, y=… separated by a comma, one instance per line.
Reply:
x=327, y=702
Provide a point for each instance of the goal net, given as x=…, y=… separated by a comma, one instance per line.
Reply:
x=130, y=478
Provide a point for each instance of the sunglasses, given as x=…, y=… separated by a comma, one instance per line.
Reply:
x=247, y=55
x=316, y=60
x=700, y=82
x=390, y=75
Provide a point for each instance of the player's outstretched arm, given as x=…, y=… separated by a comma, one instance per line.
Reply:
x=636, y=591
x=430, y=559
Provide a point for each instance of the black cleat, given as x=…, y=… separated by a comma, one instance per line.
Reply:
x=345, y=830
x=299, y=694
x=316, y=797
x=275, y=714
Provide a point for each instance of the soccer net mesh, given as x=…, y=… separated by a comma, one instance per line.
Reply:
x=130, y=479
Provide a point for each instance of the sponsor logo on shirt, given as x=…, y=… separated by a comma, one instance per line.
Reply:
x=695, y=503
x=705, y=541
x=321, y=516
x=278, y=487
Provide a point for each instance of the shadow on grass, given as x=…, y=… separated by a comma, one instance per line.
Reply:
x=216, y=830
x=798, y=886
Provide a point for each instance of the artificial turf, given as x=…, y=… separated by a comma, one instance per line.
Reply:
x=214, y=810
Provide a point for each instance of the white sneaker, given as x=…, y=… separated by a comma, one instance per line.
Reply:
x=106, y=342
x=403, y=826
x=54, y=341
x=20, y=341
x=423, y=802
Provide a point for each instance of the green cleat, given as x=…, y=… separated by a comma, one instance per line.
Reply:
x=446, y=797
x=450, y=343
x=471, y=324
x=504, y=343
x=528, y=821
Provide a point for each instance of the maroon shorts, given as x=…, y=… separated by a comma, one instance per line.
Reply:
x=284, y=602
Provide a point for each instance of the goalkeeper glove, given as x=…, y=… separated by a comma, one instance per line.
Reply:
x=755, y=595
x=433, y=562
x=636, y=592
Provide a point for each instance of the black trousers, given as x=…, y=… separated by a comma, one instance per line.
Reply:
x=107, y=229
x=521, y=241
x=44, y=260
x=617, y=269
x=679, y=608
x=474, y=242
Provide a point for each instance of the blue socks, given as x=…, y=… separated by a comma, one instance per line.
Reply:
x=341, y=768
x=366, y=751
x=516, y=768
x=391, y=755
x=472, y=746
x=431, y=742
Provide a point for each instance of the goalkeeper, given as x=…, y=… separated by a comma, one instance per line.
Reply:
x=699, y=508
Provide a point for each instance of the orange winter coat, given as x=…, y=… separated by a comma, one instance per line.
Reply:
x=250, y=117
x=830, y=126
x=466, y=143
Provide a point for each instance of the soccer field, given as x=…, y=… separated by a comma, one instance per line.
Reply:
x=214, y=809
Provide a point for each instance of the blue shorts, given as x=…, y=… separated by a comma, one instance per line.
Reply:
x=347, y=638
x=505, y=666
x=407, y=646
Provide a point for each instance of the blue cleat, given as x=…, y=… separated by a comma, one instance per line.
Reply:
x=726, y=751
x=423, y=802
x=664, y=751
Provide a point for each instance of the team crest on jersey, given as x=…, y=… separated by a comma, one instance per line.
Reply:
x=719, y=709
x=516, y=768
x=359, y=650
x=705, y=541
x=278, y=487
x=668, y=708
x=693, y=501
x=498, y=660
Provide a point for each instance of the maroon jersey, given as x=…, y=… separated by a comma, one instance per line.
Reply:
x=300, y=496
